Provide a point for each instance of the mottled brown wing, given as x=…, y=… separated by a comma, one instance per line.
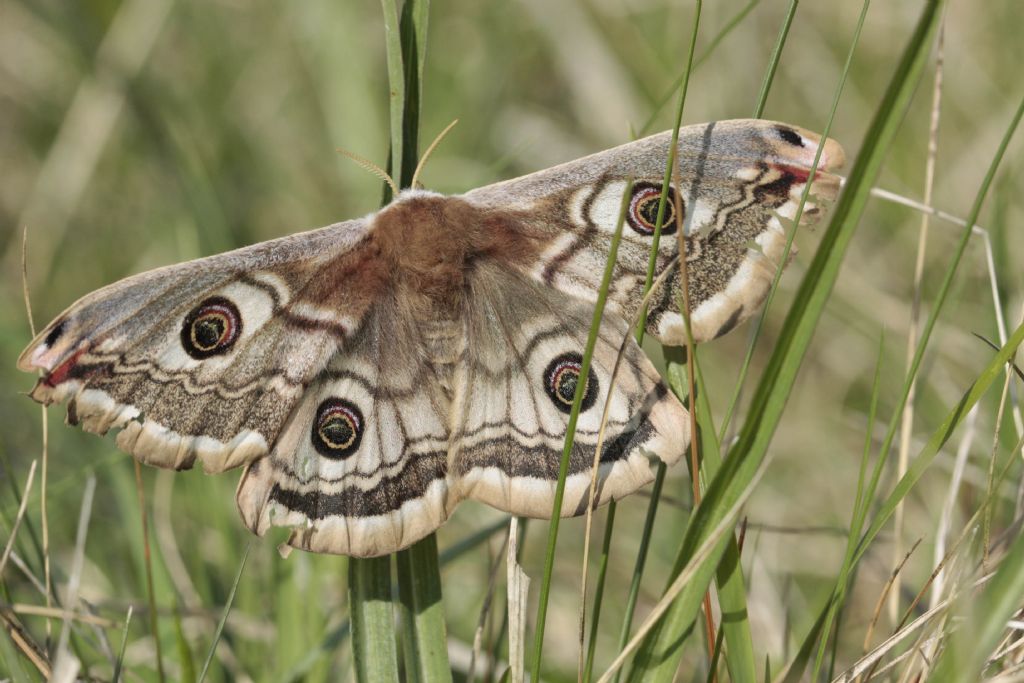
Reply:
x=736, y=180
x=524, y=345
x=208, y=358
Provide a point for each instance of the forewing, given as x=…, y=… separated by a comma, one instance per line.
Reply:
x=735, y=180
x=206, y=359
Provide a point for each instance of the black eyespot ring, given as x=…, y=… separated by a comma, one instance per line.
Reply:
x=643, y=209
x=211, y=328
x=337, y=429
x=560, y=380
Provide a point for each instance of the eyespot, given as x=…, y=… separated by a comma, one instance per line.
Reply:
x=643, y=209
x=560, y=380
x=211, y=328
x=337, y=429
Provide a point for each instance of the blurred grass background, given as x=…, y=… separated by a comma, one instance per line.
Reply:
x=145, y=132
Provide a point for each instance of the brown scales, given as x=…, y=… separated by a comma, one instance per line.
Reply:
x=426, y=247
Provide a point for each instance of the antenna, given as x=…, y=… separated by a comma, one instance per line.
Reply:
x=430, y=150
x=372, y=168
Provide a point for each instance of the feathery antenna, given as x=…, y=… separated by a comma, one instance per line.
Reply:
x=430, y=150
x=372, y=168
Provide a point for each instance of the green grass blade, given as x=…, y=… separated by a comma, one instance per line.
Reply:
x=396, y=91
x=339, y=634
x=924, y=459
x=373, y=620
x=422, y=614
x=425, y=643
x=865, y=492
x=14, y=665
x=684, y=76
x=595, y=616
x=793, y=673
x=119, y=662
x=187, y=667
x=659, y=477
x=570, y=433
x=773, y=60
x=791, y=233
x=413, y=36
x=732, y=592
x=940, y=300
x=861, y=494
x=148, y=561
x=419, y=587
x=658, y=655
x=219, y=631
x=641, y=559
x=670, y=166
x=715, y=656
x=369, y=579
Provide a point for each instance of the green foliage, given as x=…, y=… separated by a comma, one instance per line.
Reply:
x=141, y=134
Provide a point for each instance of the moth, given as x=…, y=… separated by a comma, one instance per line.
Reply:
x=370, y=375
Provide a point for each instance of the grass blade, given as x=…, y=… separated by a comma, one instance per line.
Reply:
x=924, y=459
x=916, y=469
x=773, y=61
x=659, y=653
x=148, y=558
x=419, y=588
x=396, y=91
x=119, y=662
x=595, y=617
x=683, y=78
x=683, y=84
x=732, y=590
x=570, y=434
x=187, y=673
x=939, y=438
x=219, y=631
x=421, y=611
x=373, y=619
x=791, y=234
x=12, y=663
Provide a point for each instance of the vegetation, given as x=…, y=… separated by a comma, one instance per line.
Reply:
x=860, y=503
